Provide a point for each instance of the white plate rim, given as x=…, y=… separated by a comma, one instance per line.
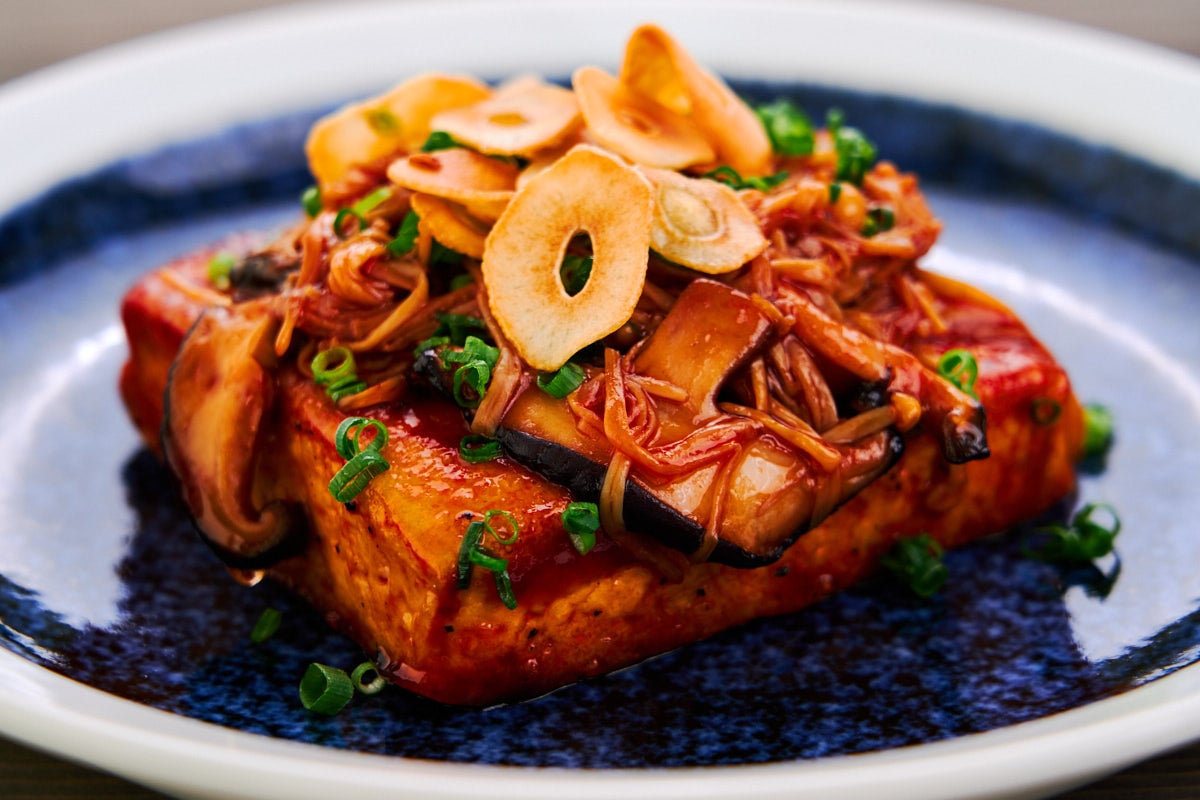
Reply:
x=200, y=79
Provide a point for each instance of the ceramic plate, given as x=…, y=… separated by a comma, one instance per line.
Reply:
x=1058, y=161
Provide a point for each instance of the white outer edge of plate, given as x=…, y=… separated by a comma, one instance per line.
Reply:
x=69, y=119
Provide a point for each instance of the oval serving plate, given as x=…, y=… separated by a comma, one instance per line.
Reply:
x=124, y=645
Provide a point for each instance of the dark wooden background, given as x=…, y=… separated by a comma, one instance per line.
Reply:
x=36, y=33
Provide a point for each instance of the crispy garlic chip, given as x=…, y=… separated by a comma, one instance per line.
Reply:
x=635, y=126
x=521, y=118
x=701, y=223
x=658, y=67
x=450, y=224
x=398, y=120
x=525, y=250
x=456, y=174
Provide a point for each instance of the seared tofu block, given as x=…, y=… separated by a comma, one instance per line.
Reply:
x=383, y=568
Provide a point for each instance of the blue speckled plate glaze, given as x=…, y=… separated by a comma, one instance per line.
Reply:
x=103, y=580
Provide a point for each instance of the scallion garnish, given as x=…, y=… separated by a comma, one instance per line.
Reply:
x=581, y=521
x=471, y=553
x=438, y=140
x=960, y=368
x=440, y=255
x=569, y=377
x=1084, y=539
x=574, y=273
x=1045, y=411
x=340, y=380
x=730, y=177
x=458, y=326
x=788, y=127
x=406, y=236
x=325, y=689
x=310, y=200
x=459, y=281
x=1097, y=430
x=374, y=686
x=219, y=267
x=362, y=465
x=476, y=361
x=855, y=153
x=835, y=191
x=371, y=201
x=340, y=224
x=917, y=563
x=878, y=220
x=475, y=448
x=268, y=623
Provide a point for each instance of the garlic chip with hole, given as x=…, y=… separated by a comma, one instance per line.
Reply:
x=524, y=254
x=395, y=121
x=521, y=118
x=701, y=223
x=636, y=127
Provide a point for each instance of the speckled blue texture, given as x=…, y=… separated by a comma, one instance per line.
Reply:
x=1010, y=639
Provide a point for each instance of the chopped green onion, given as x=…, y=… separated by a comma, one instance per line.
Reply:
x=917, y=563
x=512, y=524
x=855, y=152
x=569, y=377
x=878, y=220
x=788, y=127
x=440, y=255
x=488, y=560
x=374, y=686
x=477, y=359
x=458, y=326
x=470, y=541
x=219, y=267
x=323, y=375
x=369, y=203
x=835, y=191
x=325, y=689
x=352, y=478
x=362, y=466
x=268, y=623
x=1097, y=430
x=382, y=121
x=339, y=223
x=1084, y=539
x=581, y=521
x=730, y=177
x=406, y=236
x=476, y=449
x=504, y=589
x=438, y=140
x=348, y=437
x=574, y=273
x=459, y=281
x=1045, y=411
x=960, y=368
x=345, y=388
x=470, y=553
x=310, y=200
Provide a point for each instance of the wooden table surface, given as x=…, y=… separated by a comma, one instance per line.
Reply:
x=34, y=34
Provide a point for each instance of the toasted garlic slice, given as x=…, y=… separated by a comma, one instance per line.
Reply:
x=701, y=223
x=456, y=174
x=525, y=250
x=521, y=118
x=450, y=224
x=398, y=120
x=658, y=67
x=635, y=126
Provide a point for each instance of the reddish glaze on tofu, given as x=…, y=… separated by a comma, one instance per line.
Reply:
x=744, y=373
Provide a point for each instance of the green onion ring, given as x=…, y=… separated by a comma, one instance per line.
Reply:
x=325, y=689
x=339, y=222
x=475, y=448
x=354, y=476
x=375, y=686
